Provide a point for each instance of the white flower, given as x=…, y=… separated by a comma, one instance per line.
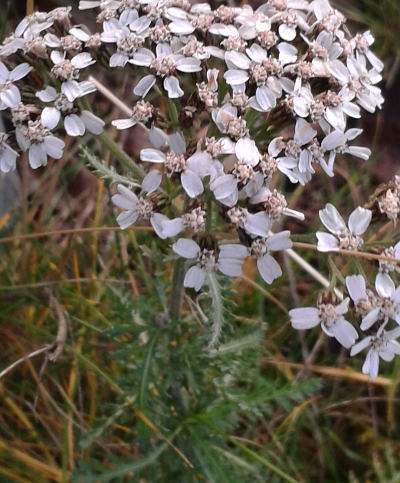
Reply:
x=136, y=207
x=175, y=162
x=228, y=259
x=127, y=42
x=9, y=93
x=32, y=25
x=275, y=204
x=76, y=121
x=358, y=82
x=342, y=237
x=331, y=319
x=361, y=43
x=294, y=155
x=193, y=220
x=225, y=187
x=228, y=122
x=164, y=63
x=337, y=142
x=383, y=346
x=142, y=112
x=39, y=142
x=68, y=72
x=385, y=306
x=268, y=267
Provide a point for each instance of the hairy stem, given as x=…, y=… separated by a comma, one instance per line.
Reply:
x=177, y=289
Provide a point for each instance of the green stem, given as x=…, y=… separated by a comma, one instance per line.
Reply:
x=177, y=289
x=172, y=112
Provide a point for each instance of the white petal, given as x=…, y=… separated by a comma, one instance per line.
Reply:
x=194, y=278
x=333, y=140
x=344, y=333
x=268, y=268
x=339, y=70
x=335, y=117
x=151, y=181
x=356, y=287
x=232, y=267
x=71, y=89
x=287, y=53
x=186, y=248
x=157, y=137
x=239, y=60
x=303, y=132
x=359, y=152
x=54, y=146
x=152, y=155
x=20, y=71
x=384, y=285
x=188, y=64
x=232, y=251
x=360, y=346
x=256, y=53
x=304, y=318
x=171, y=85
x=50, y=117
x=331, y=219
x=144, y=85
x=224, y=186
x=286, y=32
x=265, y=98
x=118, y=60
x=247, y=152
x=235, y=77
x=11, y=96
x=74, y=125
x=173, y=227
x=359, y=220
x=82, y=60
x=326, y=242
x=369, y=320
x=177, y=143
x=157, y=221
x=351, y=109
x=371, y=364
x=181, y=27
x=47, y=95
x=224, y=30
x=127, y=218
x=80, y=34
x=86, y=87
x=191, y=183
x=279, y=241
x=258, y=224
x=125, y=198
x=123, y=123
x=37, y=156
x=93, y=123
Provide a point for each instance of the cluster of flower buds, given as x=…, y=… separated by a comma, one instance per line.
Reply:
x=251, y=95
x=389, y=201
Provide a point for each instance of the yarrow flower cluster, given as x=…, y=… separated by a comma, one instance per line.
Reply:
x=249, y=95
